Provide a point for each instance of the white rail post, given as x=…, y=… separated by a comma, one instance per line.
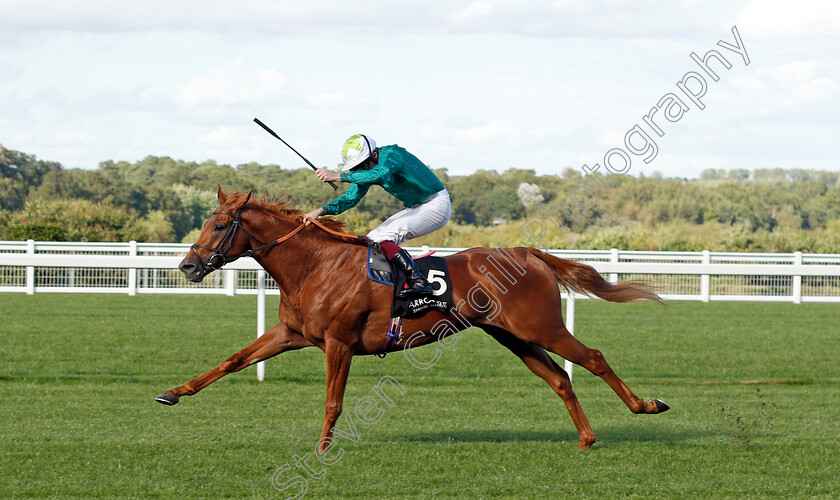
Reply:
x=30, y=270
x=154, y=274
x=260, y=318
x=570, y=325
x=797, y=280
x=231, y=277
x=705, y=280
x=132, y=272
x=614, y=260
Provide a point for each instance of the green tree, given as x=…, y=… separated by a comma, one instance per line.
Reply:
x=197, y=205
x=19, y=173
x=154, y=227
x=79, y=220
x=12, y=193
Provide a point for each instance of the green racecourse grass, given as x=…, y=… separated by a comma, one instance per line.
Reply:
x=753, y=390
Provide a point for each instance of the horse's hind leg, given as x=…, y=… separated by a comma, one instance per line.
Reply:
x=275, y=341
x=566, y=345
x=539, y=362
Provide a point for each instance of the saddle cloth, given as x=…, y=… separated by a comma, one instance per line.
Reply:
x=435, y=270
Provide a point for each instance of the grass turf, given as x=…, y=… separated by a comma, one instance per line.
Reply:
x=753, y=390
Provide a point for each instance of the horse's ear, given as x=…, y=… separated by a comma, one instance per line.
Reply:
x=247, y=199
x=222, y=196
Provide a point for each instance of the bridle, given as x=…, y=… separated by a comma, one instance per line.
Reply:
x=220, y=257
x=220, y=252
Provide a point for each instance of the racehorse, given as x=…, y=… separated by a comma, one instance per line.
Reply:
x=329, y=302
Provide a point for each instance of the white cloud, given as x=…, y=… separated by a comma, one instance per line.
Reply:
x=12, y=70
x=749, y=84
x=613, y=138
x=799, y=91
x=476, y=9
x=794, y=73
x=819, y=89
x=465, y=84
x=491, y=132
x=547, y=18
x=796, y=83
x=231, y=83
x=786, y=19
x=324, y=100
x=683, y=164
x=219, y=136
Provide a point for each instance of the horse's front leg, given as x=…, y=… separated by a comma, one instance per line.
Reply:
x=276, y=340
x=339, y=357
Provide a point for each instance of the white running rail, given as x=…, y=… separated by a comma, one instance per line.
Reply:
x=151, y=268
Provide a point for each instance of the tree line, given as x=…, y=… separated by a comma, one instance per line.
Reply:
x=161, y=199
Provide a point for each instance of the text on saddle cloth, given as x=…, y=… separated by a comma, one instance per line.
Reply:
x=435, y=270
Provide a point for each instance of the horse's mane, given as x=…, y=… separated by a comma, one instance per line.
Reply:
x=282, y=207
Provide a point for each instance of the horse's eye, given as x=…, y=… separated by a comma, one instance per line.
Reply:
x=219, y=227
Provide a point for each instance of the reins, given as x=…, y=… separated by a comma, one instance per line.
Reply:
x=227, y=241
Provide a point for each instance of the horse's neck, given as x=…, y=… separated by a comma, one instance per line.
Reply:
x=303, y=257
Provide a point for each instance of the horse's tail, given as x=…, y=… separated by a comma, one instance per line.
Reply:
x=586, y=280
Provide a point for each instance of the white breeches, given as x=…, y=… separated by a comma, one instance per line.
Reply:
x=415, y=221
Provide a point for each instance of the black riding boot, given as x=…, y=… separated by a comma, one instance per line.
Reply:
x=417, y=284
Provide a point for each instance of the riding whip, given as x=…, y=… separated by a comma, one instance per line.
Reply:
x=264, y=126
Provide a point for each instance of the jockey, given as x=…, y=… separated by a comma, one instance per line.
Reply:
x=405, y=177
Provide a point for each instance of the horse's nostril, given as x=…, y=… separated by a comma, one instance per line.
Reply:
x=192, y=270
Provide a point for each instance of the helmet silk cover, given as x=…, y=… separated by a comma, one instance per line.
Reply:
x=356, y=150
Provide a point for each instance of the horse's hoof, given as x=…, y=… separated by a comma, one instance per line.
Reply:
x=661, y=406
x=167, y=398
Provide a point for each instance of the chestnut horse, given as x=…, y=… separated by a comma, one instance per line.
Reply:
x=329, y=302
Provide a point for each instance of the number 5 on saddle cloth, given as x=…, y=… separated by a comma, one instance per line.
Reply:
x=435, y=270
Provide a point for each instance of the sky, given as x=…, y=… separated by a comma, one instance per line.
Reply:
x=464, y=85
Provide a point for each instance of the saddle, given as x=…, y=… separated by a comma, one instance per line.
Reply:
x=436, y=271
